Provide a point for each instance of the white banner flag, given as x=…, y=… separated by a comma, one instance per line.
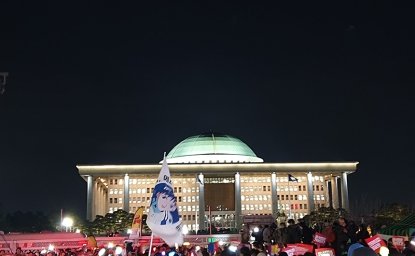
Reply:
x=163, y=217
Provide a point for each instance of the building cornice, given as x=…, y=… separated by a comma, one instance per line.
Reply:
x=220, y=168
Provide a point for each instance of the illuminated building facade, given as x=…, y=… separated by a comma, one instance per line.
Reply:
x=219, y=178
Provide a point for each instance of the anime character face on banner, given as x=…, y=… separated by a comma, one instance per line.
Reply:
x=163, y=206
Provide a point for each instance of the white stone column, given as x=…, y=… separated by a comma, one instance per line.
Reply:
x=310, y=192
x=274, y=197
x=345, y=192
x=90, y=198
x=201, y=183
x=126, y=199
x=238, y=204
x=334, y=192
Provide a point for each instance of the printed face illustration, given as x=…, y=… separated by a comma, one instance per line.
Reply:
x=165, y=203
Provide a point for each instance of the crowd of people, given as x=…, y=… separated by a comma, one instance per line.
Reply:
x=343, y=236
x=340, y=236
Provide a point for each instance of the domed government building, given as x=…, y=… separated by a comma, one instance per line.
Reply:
x=218, y=177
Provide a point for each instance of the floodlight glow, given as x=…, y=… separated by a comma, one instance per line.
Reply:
x=129, y=231
x=232, y=248
x=186, y=243
x=44, y=251
x=101, y=252
x=110, y=245
x=51, y=247
x=256, y=229
x=67, y=222
x=118, y=250
x=384, y=251
x=77, y=230
x=197, y=248
x=185, y=230
x=413, y=242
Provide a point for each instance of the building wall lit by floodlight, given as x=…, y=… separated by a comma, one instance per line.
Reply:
x=219, y=178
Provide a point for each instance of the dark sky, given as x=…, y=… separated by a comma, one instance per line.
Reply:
x=122, y=83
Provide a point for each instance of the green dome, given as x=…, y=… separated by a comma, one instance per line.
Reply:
x=212, y=148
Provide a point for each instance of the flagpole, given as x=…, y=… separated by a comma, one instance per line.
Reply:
x=151, y=244
x=289, y=198
x=210, y=220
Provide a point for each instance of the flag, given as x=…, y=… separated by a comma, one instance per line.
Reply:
x=292, y=178
x=136, y=225
x=163, y=217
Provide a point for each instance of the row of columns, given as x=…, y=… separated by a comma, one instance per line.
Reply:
x=94, y=203
x=97, y=199
x=310, y=196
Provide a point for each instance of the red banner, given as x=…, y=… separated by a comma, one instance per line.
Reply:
x=319, y=239
x=298, y=249
x=375, y=242
x=325, y=252
x=398, y=242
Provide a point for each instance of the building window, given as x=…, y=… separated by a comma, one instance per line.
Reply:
x=180, y=198
x=318, y=188
x=291, y=197
x=175, y=189
x=110, y=200
x=111, y=181
x=304, y=188
x=269, y=188
x=278, y=197
x=301, y=206
x=305, y=206
x=299, y=188
x=295, y=197
x=184, y=217
x=116, y=181
x=322, y=188
x=264, y=188
x=115, y=200
x=180, y=189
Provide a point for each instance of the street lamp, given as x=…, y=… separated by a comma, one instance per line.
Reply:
x=67, y=223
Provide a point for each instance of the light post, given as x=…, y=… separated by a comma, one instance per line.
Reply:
x=67, y=223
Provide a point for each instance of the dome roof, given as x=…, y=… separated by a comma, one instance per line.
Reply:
x=212, y=148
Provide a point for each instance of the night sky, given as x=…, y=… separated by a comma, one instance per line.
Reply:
x=122, y=83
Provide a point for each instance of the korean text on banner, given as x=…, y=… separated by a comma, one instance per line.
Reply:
x=375, y=242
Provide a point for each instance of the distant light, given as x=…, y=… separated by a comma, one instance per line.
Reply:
x=102, y=252
x=51, y=247
x=232, y=248
x=67, y=222
x=172, y=253
x=186, y=243
x=256, y=229
x=413, y=242
x=110, y=245
x=197, y=248
x=77, y=230
x=118, y=250
x=221, y=242
x=384, y=251
x=129, y=231
x=185, y=230
x=44, y=251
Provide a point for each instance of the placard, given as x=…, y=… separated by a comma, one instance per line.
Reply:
x=319, y=239
x=375, y=242
x=398, y=242
x=325, y=252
